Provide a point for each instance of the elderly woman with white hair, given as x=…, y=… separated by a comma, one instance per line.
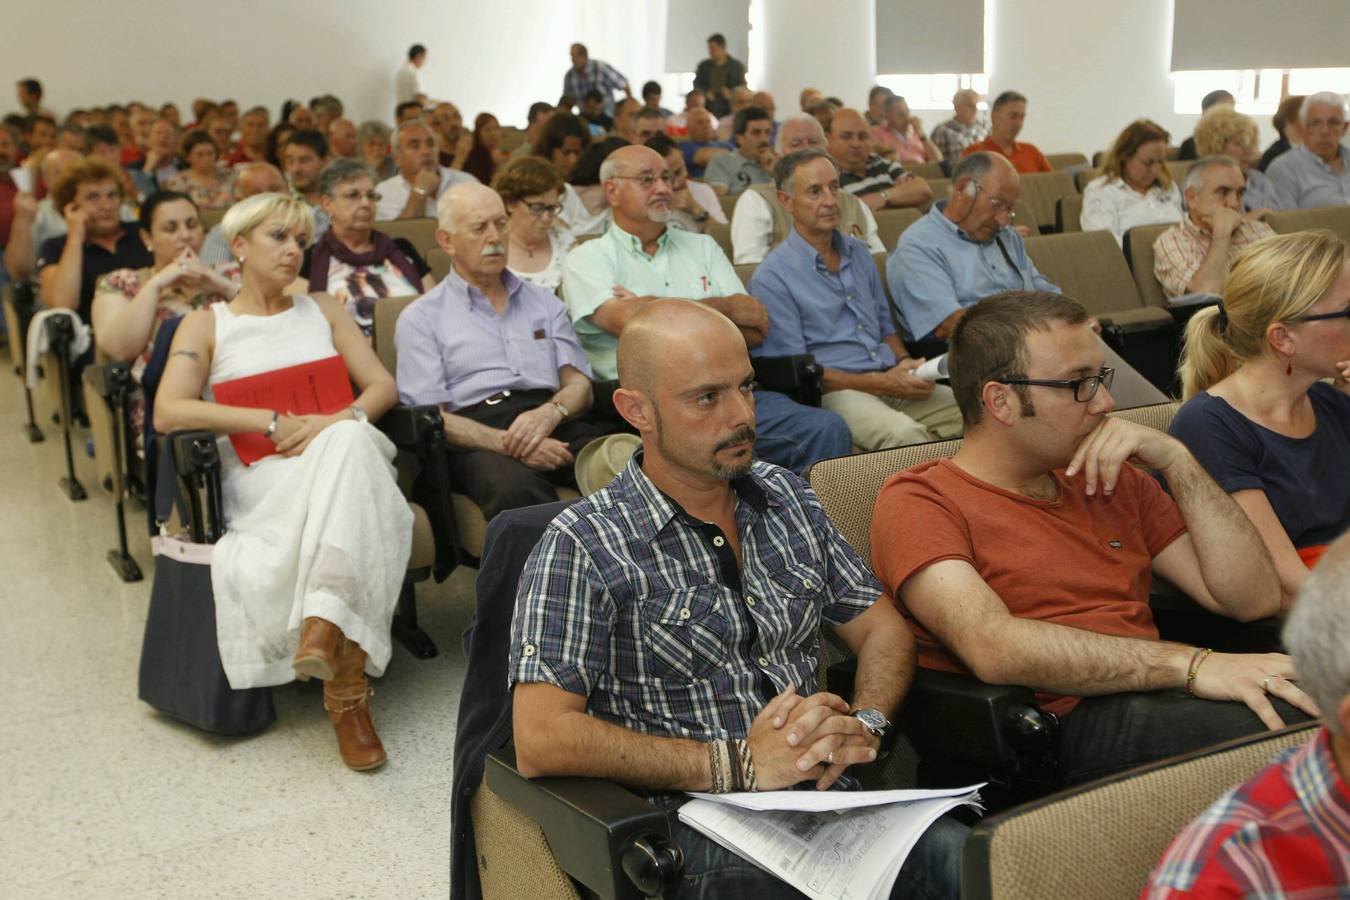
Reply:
x=318, y=535
x=1317, y=173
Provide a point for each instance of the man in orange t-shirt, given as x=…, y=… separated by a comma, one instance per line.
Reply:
x=1005, y=123
x=1026, y=558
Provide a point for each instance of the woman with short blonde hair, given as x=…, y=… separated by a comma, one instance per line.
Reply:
x=1264, y=378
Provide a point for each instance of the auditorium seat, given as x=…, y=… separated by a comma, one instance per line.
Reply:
x=1069, y=213
x=512, y=137
x=1103, y=838
x=19, y=306
x=439, y=262
x=929, y=170
x=1024, y=214
x=1042, y=189
x=210, y=218
x=1179, y=168
x=722, y=234
x=891, y=223
x=1139, y=252
x=728, y=202
x=421, y=232
x=1088, y=266
x=1083, y=177
x=1332, y=218
x=1061, y=161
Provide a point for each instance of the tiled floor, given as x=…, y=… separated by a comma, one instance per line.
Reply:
x=103, y=797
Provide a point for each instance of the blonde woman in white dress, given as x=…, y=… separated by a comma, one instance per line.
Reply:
x=317, y=538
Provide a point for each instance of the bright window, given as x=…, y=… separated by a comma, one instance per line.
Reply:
x=933, y=91
x=1257, y=90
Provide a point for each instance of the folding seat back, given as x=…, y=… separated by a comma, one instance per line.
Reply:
x=1083, y=177
x=1139, y=249
x=1089, y=267
x=420, y=232
x=722, y=235
x=891, y=223
x=1042, y=189
x=1069, y=213
x=210, y=218
x=728, y=204
x=942, y=189
x=1024, y=214
x=1333, y=218
x=929, y=170
x=1061, y=161
x=439, y=262
x=1178, y=169
x=512, y=137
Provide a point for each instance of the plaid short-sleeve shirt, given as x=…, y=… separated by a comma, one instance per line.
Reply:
x=633, y=603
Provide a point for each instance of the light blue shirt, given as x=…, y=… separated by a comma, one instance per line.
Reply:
x=1303, y=180
x=686, y=265
x=839, y=317
x=1260, y=191
x=937, y=269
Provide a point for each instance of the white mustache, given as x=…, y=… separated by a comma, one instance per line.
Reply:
x=494, y=250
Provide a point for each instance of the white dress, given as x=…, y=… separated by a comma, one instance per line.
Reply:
x=549, y=277
x=325, y=534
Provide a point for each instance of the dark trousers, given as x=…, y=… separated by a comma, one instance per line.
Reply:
x=1115, y=732
x=498, y=482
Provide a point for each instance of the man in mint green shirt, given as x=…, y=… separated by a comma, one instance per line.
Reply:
x=639, y=259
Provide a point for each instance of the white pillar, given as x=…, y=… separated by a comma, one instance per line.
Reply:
x=830, y=46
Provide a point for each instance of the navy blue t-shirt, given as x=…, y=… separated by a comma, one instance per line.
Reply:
x=1306, y=479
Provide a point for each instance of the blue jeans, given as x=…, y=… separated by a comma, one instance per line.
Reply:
x=794, y=436
x=932, y=871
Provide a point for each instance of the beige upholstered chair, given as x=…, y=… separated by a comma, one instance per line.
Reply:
x=1060, y=161
x=439, y=262
x=929, y=170
x=1139, y=247
x=722, y=234
x=421, y=233
x=1089, y=267
x=1332, y=218
x=1069, y=213
x=891, y=223
x=1042, y=189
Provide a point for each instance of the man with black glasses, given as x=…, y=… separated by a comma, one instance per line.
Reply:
x=1026, y=558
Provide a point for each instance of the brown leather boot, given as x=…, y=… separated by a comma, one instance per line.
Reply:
x=345, y=698
x=317, y=654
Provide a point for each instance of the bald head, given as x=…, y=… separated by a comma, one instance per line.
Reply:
x=668, y=342
x=55, y=162
x=636, y=208
x=258, y=178
x=473, y=231
x=700, y=123
x=459, y=204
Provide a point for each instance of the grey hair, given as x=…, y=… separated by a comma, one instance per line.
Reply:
x=610, y=169
x=373, y=129
x=413, y=123
x=976, y=166
x=1317, y=632
x=799, y=119
x=1196, y=173
x=786, y=171
x=445, y=213
x=340, y=171
x=965, y=94
x=1321, y=98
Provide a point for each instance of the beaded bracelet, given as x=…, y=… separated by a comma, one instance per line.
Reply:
x=1197, y=659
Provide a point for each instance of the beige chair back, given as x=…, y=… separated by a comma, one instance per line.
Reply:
x=1083, y=176
x=1088, y=266
x=18, y=353
x=1333, y=218
x=722, y=234
x=512, y=137
x=1103, y=839
x=210, y=218
x=421, y=233
x=384, y=322
x=892, y=222
x=1069, y=213
x=930, y=170
x=1179, y=168
x=439, y=262
x=728, y=202
x=1024, y=214
x=1042, y=189
x=1139, y=242
x=1063, y=160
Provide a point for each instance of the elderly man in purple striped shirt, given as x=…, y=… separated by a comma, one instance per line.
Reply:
x=500, y=358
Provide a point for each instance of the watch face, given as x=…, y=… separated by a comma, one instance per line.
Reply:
x=873, y=719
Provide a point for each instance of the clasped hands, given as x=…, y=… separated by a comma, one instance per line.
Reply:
x=796, y=738
x=527, y=439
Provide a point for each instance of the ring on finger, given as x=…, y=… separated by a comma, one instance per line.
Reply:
x=1265, y=685
x=829, y=758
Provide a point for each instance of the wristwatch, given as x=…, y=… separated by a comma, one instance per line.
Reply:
x=359, y=415
x=876, y=722
x=562, y=410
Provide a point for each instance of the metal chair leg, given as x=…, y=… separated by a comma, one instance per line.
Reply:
x=61, y=333
x=405, y=628
x=120, y=557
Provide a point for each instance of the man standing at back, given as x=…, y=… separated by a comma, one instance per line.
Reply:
x=639, y=260
x=588, y=75
x=718, y=74
x=1005, y=124
x=406, y=83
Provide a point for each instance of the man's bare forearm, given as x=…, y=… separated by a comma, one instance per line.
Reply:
x=574, y=392
x=885, y=669
x=747, y=313
x=1208, y=279
x=61, y=280
x=580, y=745
x=466, y=434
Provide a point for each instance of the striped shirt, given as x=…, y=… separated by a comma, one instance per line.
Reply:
x=631, y=602
x=1180, y=250
x=1283, y=833
x=598, y=75
x=878, y=175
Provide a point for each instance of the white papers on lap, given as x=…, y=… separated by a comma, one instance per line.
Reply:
x=932, y=369
x=831, y=801
x=853, y=853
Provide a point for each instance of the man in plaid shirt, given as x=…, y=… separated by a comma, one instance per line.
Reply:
x=670, y=622
x=1286, y=831
x=589, y=74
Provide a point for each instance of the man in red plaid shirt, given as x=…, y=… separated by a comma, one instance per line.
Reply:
x=1286, y=831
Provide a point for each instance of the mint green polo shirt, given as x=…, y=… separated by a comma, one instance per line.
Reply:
x=686, y=265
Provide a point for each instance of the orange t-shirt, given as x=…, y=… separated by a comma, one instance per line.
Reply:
x=1026, y=158
x=1080, y=561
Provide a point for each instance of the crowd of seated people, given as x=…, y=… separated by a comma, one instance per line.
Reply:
x=580, y=257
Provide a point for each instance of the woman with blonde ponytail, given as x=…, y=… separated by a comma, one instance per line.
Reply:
x=1267, y=412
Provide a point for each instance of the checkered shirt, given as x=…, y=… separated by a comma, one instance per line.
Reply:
x=1179, y=251
x=952, y=136
x=639, y=607
x=595, y=74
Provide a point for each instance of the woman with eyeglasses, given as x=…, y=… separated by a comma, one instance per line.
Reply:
x=1264, y=376
x=536, y=242
x=351, y=260
x=1135, y=187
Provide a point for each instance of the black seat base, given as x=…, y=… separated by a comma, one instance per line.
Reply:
x=71, y=487
x=405, y=629
x=124, y=566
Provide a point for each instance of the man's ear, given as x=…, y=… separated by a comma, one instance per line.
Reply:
x=785, y=200
x=634, y=408
x=443, y=240
x=999, y=402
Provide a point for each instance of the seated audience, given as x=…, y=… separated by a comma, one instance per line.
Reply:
x=252, y=146
x=351, y=261
x=595, y=694
x=535, y=120
x=303, y=157
x=499, y=357
x=96, y=241
x=308, y=572
x=588, y=74
x=679, y=124
x=1026, y=558
x=102, y=144
x=1006, y=118
x=741, y=97
x=485, y=153
x=71, y=137
x=1287, y=126
x=276, y=140
x=651, y=98
x=585, y=211
x=1282, y=832
x=1316, y=173
x=1213, y=99
x=413, y=192
x=903, y=133
x=759, y=222
x=875, y=113
x=962, y=250
x=693, y=204
x=1135, y=187
x=824, y=297
x=1227, y=132
x=536, y=242
x=639, y=259
x=203, y=180
x=701, y=146
x=625, y=119
x=327, y=110
x=561, y=142
x=408, y=111
x=169, y=112
x=342, y=142
x=373, y=139
x=38, y=221
x=650, y=123
x=130, y=304
x=158, y=165
x=876, y=181
x=1267, y=414
x=965, y=127
x=808, y=98
x=731, y=173
x=220, y=130
x=1195, y=256
x=594, y=115
x=453, y=140
x=300, y=118
x=719, y=75
x=249, y=179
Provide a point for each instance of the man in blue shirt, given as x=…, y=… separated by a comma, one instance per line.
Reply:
x=1316, y=173
x=824, y=297
x=589, y=74
x=963, y=250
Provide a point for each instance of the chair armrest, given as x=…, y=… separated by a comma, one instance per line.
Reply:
x=196, y=466
x=601, y=834
x=420, y=430
x=412, y=427
x=602, y=400
x=797, y=376
x=108, y=379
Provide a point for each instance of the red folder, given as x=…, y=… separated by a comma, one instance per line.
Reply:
x=321, y=387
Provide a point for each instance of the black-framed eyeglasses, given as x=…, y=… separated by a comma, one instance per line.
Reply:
x=1084, y=389
x=647, y=179
x=539, y=210
x=1321, y=317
